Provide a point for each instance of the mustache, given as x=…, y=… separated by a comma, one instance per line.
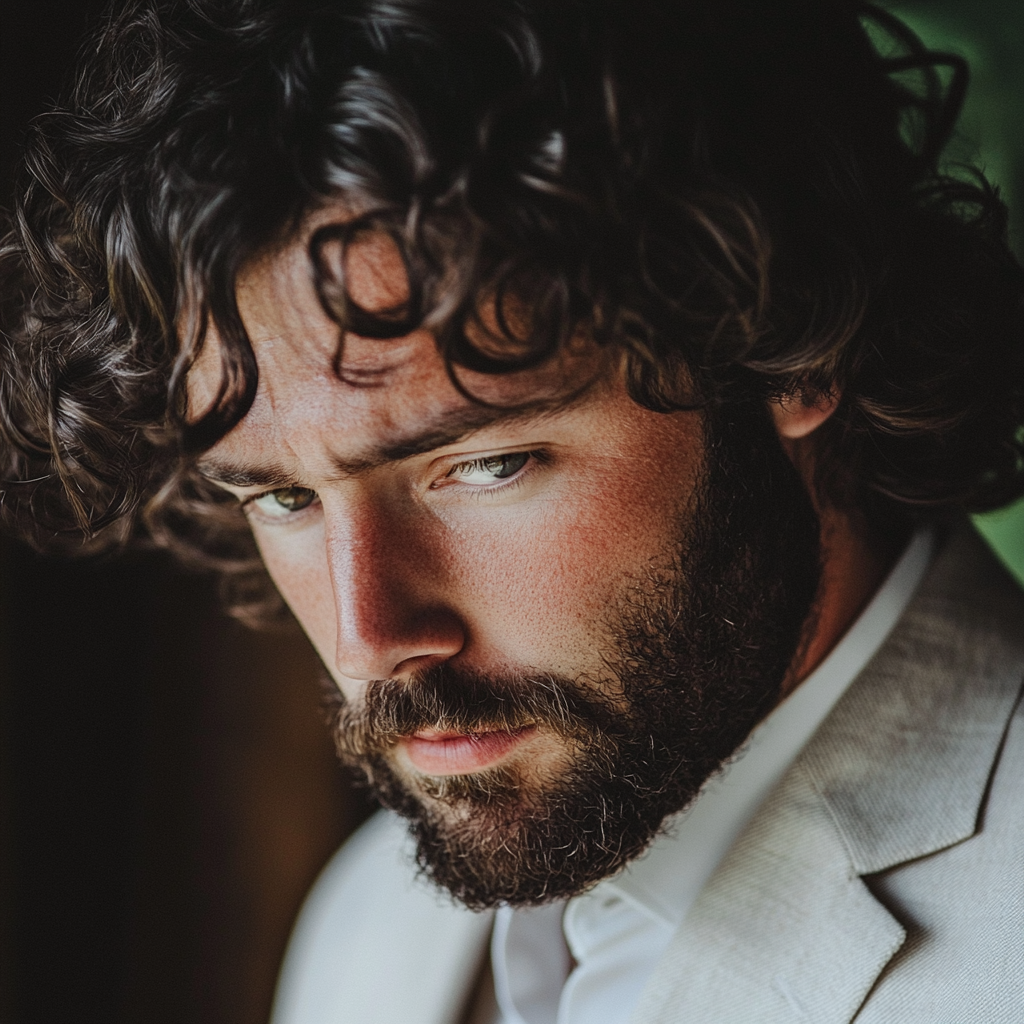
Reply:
x=452, y=699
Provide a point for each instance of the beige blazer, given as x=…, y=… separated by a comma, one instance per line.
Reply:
x=882, y=881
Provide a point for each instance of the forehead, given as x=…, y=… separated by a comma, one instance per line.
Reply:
x=310, y=378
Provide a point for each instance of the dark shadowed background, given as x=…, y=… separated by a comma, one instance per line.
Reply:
x=167, y=790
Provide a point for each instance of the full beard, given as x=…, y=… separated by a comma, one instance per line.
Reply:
x=699, y=651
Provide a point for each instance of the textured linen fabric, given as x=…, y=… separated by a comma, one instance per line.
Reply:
x=881, y=882
x=619, y=930
x=855, y=892
x=964, y=918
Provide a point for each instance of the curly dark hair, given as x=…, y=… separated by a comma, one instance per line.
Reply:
x=745, y=197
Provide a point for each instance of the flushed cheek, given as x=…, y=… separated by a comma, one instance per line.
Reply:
x=540, y=588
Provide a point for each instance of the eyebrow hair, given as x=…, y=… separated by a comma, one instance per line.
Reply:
x=234, y=474
x=450, y=429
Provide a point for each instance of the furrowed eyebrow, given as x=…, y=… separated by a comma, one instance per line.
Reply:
x=455, y=429
x=452, y=428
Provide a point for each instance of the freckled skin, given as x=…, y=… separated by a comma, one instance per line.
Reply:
x=401, y=565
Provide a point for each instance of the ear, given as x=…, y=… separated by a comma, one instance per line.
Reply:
x=802, y=412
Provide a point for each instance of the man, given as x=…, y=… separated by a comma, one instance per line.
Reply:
x=602, y=386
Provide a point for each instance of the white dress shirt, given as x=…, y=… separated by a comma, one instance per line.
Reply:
x=616, y=932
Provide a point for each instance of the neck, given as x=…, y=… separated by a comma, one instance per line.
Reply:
x=854, y=564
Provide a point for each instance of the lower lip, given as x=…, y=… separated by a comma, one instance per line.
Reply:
x=460, y=754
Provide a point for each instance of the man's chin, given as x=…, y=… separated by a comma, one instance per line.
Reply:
x=504, y=836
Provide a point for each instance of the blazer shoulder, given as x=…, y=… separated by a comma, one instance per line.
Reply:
x=376, y=943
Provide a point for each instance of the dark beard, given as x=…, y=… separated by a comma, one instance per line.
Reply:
x=699, y=653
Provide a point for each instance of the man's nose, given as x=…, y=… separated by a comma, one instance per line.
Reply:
x=390, y=608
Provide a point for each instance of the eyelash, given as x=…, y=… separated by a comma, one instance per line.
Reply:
x=536, y=457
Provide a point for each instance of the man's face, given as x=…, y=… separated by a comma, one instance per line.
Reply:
x=527, y=606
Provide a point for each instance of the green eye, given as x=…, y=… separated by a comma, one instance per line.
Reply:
x=284, y=501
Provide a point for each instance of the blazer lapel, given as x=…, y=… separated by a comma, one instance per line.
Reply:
x=904, y=761
x=786, y=930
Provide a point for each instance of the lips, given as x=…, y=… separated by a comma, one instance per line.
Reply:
x=450, y=753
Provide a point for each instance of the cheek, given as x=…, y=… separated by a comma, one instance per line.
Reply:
x=541, y=586
x=298, y=567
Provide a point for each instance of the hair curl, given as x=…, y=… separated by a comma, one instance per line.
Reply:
x=742, y=196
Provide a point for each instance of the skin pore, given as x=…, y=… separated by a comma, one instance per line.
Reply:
x=452, y=559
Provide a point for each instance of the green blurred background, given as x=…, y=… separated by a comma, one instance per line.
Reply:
x=990, y=34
